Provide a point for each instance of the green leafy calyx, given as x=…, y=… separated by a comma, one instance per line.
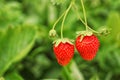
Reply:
x=52, y=33
x=64, y=40
x=84, y=33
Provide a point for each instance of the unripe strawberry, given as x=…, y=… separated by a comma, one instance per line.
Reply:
x=87, y=46
x=52, y=33
x=64, y=52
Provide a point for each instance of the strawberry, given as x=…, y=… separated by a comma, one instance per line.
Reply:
x=87, y=46
x=64, y=51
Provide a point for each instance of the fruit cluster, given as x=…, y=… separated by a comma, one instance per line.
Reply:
x=87, y=48
x=86, y=43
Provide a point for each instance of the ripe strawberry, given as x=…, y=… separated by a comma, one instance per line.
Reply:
x=87, y=47
x=64, y=52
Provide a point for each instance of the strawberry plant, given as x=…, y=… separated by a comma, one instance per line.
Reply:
x=87, y=43
x=78, y=46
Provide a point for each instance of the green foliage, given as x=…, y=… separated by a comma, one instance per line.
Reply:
x=10, y=14
x=26, y=50
x=15, y=44
x=114, y=23
x=58, y=1
x=13, y=76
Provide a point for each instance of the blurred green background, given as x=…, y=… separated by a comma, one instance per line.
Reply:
x=26, y=49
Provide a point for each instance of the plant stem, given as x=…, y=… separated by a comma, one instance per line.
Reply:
x=77, y=13
x=93, y=30
x=67, y=73
x=84, y=12
x=72, y=72
x=66, y=12
x=58, y=20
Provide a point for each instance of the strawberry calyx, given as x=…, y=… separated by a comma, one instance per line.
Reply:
x=52, y=33
x=104, y=31
x=64, y=40
x=84, y=33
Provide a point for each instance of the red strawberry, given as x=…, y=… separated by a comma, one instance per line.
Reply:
x=87, y=47
x=64, y=52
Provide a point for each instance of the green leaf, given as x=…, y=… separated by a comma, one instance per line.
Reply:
x=1, y=78
x=72, y=72
x=13, y=76
x=15, y=43
x=95, y=77
x=10, y=13
x=114, y=23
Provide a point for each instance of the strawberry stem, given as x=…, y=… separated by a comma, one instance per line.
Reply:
x=77, y=13
x=67, y=73
x=58, y=20
x=93, y=30
x=66, y=12
x=84, y=12
x=72, y=72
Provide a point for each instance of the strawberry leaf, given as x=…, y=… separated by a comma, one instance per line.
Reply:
x=13, y=76
x=15, y=43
